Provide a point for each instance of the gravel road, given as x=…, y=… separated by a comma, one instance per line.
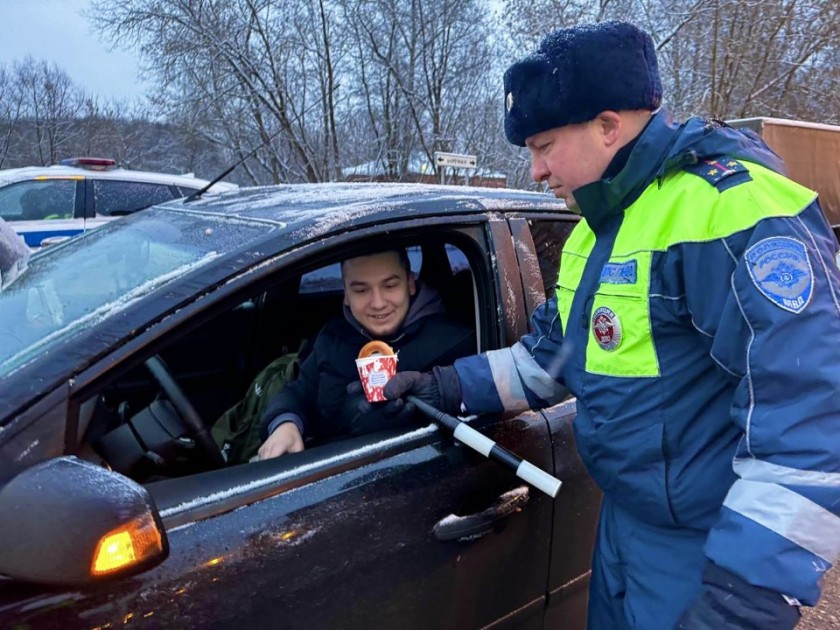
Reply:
x=826, y=616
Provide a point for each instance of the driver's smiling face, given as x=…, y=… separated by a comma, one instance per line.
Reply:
x=378, y=290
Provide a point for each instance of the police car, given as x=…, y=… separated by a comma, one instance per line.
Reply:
x=46, y=204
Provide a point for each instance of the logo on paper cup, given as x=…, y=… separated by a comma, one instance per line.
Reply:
x=375, y=372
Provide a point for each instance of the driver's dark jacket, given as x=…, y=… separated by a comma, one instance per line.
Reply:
x=317, y=400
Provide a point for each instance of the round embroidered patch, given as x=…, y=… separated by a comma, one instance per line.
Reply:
x=606, y=327
x=781, y=270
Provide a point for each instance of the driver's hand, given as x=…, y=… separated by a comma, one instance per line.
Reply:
x=284, y=439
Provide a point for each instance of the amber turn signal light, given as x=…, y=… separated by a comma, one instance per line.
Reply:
x=127, y=546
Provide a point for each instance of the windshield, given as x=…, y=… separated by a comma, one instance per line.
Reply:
x=71, y=287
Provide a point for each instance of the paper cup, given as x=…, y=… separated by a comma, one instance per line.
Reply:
x=374, y=372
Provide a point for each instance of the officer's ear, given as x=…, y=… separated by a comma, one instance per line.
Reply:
x=412, y=283
x=609, y=125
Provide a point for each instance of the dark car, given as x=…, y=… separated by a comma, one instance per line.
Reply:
x=118, y=349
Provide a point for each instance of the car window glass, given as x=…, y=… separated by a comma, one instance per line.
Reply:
x=112, y=197
x=549, y=238
x=457, y=259
x=38, y=200
x=70, y=287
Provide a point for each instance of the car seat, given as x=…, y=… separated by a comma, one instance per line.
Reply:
x=33, y=205
x=457, y=290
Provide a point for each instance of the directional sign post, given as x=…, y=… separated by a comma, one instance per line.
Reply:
x=455, y=160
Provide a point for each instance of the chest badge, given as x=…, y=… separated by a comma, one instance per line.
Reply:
x=606, y=327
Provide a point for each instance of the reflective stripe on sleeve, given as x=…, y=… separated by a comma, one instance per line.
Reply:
x=536, y=379
x=506, y=379
x=789, y=514
x=758, y=470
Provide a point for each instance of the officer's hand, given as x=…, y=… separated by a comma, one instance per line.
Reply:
x=396, y=410
x=284, y=439
x=727, y=601
x=423, y=385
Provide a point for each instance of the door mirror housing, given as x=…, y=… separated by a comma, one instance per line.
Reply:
x=68, y=522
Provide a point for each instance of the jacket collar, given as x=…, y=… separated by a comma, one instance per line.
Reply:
x=662, y=148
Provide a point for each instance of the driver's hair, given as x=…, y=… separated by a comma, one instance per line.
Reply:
x=401, y=253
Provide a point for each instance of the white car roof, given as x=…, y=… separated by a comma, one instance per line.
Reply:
x=12, y=175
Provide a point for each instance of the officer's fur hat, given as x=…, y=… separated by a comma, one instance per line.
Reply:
x=576, y=73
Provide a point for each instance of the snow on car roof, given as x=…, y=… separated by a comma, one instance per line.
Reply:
x=25, y=173
x=323, y=207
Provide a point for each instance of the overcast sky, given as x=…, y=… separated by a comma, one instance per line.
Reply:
x=56, y=30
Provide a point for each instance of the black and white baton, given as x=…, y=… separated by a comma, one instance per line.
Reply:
x=464, y=433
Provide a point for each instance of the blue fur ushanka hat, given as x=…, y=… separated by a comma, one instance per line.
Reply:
x=578, y=72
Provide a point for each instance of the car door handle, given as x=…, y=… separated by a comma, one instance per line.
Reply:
x=454, y=527
x=53, y=240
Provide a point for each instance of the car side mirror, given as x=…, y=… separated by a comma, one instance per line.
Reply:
x=68, y=522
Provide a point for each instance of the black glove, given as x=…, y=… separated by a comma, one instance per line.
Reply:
x=394, y=409
x=441, y=388
x=728, y=602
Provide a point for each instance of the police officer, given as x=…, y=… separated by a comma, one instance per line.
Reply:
x=696, y=320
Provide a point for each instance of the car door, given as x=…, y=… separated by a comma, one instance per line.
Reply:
x=44, y=210
x=539, y=240
x=399, y=529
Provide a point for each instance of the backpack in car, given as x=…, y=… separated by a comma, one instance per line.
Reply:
x=237, y=431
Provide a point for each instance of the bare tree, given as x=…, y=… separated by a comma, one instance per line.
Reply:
x=10, y=111
x=422, y=67
x=723, y=58
x=50, y=102
x=259, y=70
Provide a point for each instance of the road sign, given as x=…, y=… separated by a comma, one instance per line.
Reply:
x=457, y=160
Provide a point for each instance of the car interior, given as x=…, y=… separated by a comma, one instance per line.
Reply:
x=152, y=421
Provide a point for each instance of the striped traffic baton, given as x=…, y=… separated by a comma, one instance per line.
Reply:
x=465, y=434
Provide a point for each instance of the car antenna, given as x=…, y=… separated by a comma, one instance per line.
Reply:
x=228, y=170
x=262, y=144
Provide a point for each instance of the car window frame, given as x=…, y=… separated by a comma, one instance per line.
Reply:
x=91, y=206
x=527, y=252
x=247, y=282
x=78, y=197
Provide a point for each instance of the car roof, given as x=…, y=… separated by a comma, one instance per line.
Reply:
x=58, y=171
x=328, y=206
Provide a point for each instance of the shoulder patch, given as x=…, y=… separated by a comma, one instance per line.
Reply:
x=781, y=270
x=722, y=172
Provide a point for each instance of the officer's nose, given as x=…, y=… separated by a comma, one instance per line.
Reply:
x=539, y=170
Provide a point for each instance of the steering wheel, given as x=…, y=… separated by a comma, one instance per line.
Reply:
x=196, y=428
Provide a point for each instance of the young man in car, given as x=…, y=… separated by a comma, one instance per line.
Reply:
x=696, y=320
x=382, y=301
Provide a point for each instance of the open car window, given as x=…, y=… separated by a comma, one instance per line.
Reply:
x=130, y=426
